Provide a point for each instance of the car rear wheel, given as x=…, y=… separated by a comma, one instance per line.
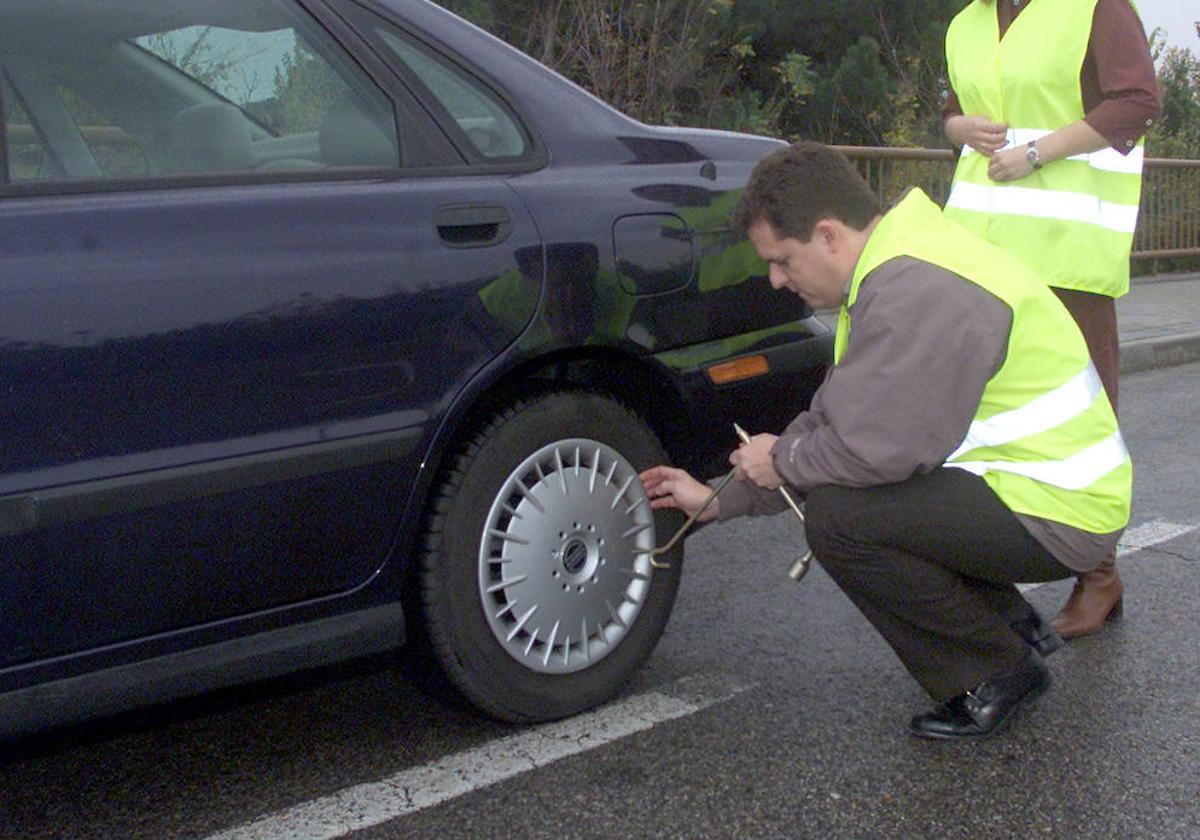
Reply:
x=537, y=588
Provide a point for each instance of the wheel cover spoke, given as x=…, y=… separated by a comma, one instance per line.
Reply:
x=564, y=559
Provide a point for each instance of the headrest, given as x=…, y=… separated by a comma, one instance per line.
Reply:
x=213, y=137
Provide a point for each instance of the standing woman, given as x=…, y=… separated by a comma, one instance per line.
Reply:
x=1049, y=101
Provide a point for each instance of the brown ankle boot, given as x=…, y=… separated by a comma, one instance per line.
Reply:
x=1095, y=599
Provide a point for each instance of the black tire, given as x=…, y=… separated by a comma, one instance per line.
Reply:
x=565, y=555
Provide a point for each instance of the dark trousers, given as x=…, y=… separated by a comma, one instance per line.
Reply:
x=932, y=562
x=1096, y=317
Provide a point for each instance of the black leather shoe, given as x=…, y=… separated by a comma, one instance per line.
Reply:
x=984, y=710
x=1038, y=634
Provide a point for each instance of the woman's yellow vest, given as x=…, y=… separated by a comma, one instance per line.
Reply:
x=1072, y=220
x=1044, y=437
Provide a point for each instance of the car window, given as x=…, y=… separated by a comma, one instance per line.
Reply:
x=490, y=128
x=174, y=87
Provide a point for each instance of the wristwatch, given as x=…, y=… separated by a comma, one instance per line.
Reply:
x=1031, y=155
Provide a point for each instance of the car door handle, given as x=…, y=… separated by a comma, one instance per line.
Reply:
x=472, y=225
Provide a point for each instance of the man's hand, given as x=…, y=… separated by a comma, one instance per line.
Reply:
x=754, y=462
x=670, y=487
x=978, y=132
x=1010, y=164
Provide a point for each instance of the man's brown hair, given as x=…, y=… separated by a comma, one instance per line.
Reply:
x=794, y=188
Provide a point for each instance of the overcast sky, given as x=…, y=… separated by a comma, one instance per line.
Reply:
x=1175, y=17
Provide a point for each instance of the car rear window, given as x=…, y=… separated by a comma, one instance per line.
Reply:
x=482, y=117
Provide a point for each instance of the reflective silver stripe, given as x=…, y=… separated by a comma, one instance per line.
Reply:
x=1051, y=409
x=1081, y=470
x=1107, y=159
x=1044, y=204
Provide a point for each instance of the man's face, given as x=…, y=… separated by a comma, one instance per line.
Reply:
x=807, y=268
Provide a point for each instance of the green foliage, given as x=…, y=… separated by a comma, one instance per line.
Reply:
x=797, y=75
x=753, y=111
x=904, y=129
x=857, y=97
x=1177, y=133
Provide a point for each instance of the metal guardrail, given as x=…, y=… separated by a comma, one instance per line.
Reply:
x=1168, y=222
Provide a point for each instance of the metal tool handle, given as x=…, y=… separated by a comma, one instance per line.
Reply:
x=800, y=568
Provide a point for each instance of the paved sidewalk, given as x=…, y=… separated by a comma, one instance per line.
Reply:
x=1159, y=322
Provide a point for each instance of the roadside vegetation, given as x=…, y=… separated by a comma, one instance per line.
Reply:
x=853, y=72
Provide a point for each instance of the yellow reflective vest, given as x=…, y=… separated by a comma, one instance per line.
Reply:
x=1072, y=220
x=1044, y=436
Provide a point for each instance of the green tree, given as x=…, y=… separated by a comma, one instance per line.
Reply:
x=852, y=104
x=1177, y=133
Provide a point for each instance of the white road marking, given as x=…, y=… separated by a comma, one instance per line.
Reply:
x=1134, y=540
x=1150, y=534
x=366, y=805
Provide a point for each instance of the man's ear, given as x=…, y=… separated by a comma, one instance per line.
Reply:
x=827, y=233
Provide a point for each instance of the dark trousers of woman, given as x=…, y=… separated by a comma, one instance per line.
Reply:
x=1096, y=317
x=932, y=563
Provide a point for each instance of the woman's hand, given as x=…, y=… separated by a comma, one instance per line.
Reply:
x=670, y=487
x=978, y=132
x=1009, y=165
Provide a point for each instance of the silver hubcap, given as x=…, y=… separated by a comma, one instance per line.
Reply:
x=564, y=563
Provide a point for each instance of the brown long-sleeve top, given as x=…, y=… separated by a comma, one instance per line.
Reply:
x=1120, y=90
x=925, y=343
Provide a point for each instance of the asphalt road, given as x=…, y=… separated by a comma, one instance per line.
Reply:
x=770, y=709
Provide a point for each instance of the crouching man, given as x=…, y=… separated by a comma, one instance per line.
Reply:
x=962, y=441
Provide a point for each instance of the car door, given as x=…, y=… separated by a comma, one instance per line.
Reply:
x=242, y=275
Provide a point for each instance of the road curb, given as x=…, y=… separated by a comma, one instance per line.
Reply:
x=1165, y=277
x=1165, y=351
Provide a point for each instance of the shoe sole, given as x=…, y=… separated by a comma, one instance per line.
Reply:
x=1029, y=698
x=1048, y=644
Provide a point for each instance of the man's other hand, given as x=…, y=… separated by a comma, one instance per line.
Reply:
x=671, y=487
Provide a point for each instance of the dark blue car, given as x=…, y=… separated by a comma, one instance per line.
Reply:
x=331, y=324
